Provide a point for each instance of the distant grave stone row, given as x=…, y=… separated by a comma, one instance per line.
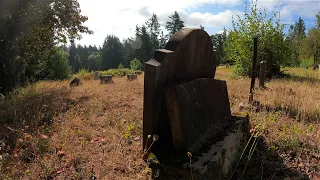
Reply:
x=105, y=79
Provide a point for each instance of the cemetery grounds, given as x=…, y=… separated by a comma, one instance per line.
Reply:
x=95, y=130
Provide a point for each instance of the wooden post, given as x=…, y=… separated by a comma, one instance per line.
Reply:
x=262, y=75
x=254, y=62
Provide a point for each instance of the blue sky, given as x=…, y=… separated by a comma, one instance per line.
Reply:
x=120, y=17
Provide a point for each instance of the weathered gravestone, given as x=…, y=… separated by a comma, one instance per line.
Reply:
x=197, y=110
x=96, y=75
x=104, y=79
x=188, y=55
x=75, y=82
x=132, y=77
x=186, y=106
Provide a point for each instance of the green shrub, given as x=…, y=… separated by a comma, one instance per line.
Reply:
x=120, y=66
x=306, y=63
x=117, y=72
x=84, y=74
x=135, y=64
x=57, y=67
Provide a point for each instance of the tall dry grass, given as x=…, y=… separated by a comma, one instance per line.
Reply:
x=54, y=131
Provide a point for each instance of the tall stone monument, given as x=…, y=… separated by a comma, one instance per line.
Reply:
x=183, y=104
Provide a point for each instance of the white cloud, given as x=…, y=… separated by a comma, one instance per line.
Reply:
x=120, y=17
x=288, y=8
x=207, y=19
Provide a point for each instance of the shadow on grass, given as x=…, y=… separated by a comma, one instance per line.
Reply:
x=308, y=77
x=28, y=113
x=292, y=111
x=266, y=163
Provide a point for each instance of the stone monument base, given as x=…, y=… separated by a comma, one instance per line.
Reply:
x=214, y=161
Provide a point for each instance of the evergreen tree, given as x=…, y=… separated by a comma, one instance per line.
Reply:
x=95, y=61
x=300, y=28
x=130, y=52
x=296, y=34
x=175, y=24
x=163, y=40
x=74, y=58
x=218, y=41
x=311, y=44
x=112, y=53
x=154, y=31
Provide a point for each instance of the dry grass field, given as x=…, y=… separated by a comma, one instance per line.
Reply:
x=94, y=130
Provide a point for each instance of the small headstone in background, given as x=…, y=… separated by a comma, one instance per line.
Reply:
x=75, y=82
x=96, y=75
x=132, y=77
x=104, y=79
x=138, y=72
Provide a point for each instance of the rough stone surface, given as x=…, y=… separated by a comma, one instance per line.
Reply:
x=75, y=82
x=220, y=158
x=132, y=77
x=197, y=111
x=188, y=55
x=96, y=75
x=104, y=79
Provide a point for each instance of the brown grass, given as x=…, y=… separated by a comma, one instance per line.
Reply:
x=95, y=129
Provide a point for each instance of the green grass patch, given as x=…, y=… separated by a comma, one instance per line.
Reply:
x=117, y=72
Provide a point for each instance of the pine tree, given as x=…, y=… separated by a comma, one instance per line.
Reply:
x=300, y=28
x=296, y=34
x=146, y=51
x=154, y=31
x=175, y=24
x=73, y=59
x=112, y=53
x=163, y=40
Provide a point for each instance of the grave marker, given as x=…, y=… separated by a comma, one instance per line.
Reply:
x=104, y=79
x=187, y=56
x=188, y=109
x=96, y=75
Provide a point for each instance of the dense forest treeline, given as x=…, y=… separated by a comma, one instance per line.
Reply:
x=31, y=34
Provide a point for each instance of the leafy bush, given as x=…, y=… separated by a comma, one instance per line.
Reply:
x=120, y=66
x=57, y=66
x=84, y=74
x=239, y=44
x=117, y=72
x=306, y=63
x=135, y=64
